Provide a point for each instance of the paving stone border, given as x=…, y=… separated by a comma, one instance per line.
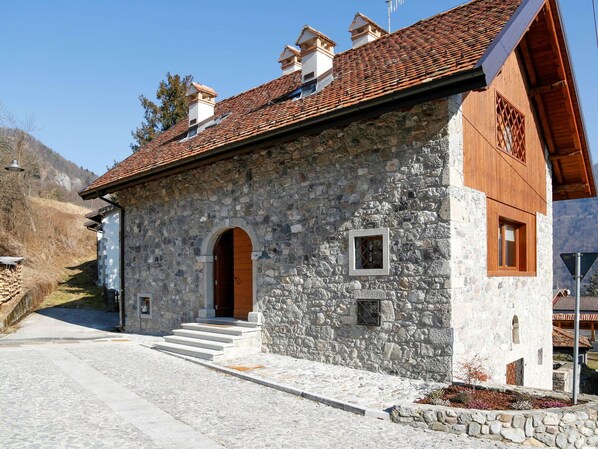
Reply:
x=562, y=428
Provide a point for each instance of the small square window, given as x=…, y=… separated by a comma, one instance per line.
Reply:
x=368, y=252
x=144, y=305
x=368, y=312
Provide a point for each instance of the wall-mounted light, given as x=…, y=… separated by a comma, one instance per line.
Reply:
x=14, y=166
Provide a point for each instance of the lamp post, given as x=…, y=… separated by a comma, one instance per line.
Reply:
x=14, y=165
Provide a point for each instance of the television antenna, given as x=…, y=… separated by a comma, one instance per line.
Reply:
x=392, y=6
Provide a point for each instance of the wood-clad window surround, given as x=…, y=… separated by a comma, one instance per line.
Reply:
x=510, y=129
x=511, y=241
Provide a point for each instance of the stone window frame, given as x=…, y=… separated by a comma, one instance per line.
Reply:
x=139, y=313
x=376, y=232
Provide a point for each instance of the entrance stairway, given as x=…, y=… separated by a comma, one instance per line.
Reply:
x=214, y=339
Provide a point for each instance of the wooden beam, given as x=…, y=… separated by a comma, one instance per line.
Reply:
x=538, y=90
x=533, y=79
x=565, y=154
x=551, y=25
x=570, y=188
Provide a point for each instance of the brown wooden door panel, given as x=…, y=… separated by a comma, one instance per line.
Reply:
x=243, y=274
x=224, y=275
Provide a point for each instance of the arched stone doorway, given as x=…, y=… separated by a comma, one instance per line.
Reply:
x=233, y=274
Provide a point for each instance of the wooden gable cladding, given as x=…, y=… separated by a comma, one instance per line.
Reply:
x=487, y=168
x=553, y=92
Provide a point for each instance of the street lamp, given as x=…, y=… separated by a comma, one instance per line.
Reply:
x=14, y=166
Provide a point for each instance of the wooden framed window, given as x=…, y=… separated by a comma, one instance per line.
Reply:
x=511, y=253
x=510, y=129
x=511, y=241
x=368, y=252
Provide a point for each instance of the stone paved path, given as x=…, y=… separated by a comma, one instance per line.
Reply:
x=363, y=388
x=74, y=395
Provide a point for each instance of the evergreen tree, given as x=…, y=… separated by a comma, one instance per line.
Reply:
x=171, y=108
x=591, y=287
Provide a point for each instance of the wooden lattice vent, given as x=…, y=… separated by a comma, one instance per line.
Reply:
x=510, y=129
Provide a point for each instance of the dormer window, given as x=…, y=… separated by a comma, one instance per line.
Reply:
x=196, y=129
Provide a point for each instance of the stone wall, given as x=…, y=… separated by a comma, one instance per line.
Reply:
x=563, y=428
x=300, y=200
x=11, y=281
x=562, y=377
x=484, y=306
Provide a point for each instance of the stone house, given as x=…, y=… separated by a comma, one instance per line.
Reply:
x=387, y=208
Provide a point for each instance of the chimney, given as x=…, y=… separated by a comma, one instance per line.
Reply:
x=317, y=53
x=290, y=60
x=201, y=101
x=364, y=30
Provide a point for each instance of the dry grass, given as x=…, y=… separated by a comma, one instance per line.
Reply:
x=593, y=360
x=51, y=237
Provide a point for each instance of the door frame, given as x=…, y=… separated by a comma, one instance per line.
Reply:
x=207, y=259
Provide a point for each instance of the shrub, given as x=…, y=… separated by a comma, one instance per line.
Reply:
x=478, y=404
x=472, y=371
x=436, y=394
x=463, y=397
x=440, y=401
x=553, y=404
x=522, y=404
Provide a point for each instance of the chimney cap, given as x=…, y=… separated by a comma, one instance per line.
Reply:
x=289, y=52
x=308, y=33
x=361, y=20
x=196, y=87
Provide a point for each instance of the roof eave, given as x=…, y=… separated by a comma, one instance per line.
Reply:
x=508, y=38
x=443, y=87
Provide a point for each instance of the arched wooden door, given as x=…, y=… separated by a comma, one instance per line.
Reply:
x=233, y=275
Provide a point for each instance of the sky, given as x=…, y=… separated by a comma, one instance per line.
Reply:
x=76, y=68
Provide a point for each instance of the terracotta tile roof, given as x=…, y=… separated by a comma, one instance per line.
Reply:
x=562, y=338
x=444, y=45
x=571, y=317
x=567, y=303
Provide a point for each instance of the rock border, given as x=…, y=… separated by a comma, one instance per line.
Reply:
x=574, y=427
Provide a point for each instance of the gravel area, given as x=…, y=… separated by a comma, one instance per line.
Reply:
x=44, y=407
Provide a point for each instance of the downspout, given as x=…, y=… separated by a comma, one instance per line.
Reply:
x=121, y=248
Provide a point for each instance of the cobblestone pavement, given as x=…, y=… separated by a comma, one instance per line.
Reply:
x=363, y=388
x=75, y=395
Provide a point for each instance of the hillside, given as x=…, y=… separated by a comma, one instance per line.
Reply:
x=49, y=174
x=575, y=229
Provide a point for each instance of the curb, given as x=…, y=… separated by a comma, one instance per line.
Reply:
x=315, y=397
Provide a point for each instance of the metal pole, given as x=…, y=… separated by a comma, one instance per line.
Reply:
x=389, y=4
x=576, y=342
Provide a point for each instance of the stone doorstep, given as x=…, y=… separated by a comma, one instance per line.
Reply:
x=214, y=339
x=315, y=397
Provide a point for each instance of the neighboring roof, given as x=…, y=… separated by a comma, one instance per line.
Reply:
x=11, y=260
x=456, y=51
x=567, y=303
x=571, y=316
x=96, y=215
x=562, y=338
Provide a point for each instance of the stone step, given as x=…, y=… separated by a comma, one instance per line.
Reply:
x=198, y=343
x=219, y=328
x=200, y=353
x=229, y=321
x=222, y=338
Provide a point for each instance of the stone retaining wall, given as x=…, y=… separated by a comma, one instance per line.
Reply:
x=563, y=428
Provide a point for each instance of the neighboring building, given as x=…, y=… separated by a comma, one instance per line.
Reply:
x=563, y=343
x=388, y=208
x=563, y=314
x=106, y=223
